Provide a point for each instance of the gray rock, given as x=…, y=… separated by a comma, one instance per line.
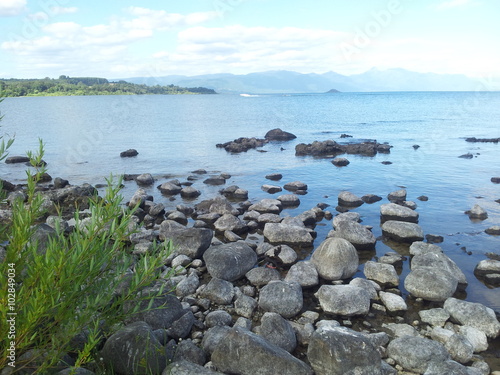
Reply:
x=274, y=176
x=245, y=353
x=260, y=276
x=268, y=218
x=187, y=286
x=220, y=205
x=271, y=189
x=230, y=261
x=474, y=315
x=416, y=353
x=231, y=236
x=181, y=328
x=231, y=223
x=431, y=284
x=267, y=206
x=397, y=196
x=145, y=179
x=487, y=266
x=369, y=286
x=282, y=298
x=335, y=259
x=127, y=154
x=460, y=348
x=289, y=200
x=342, y=351
x=446, y=367
x=279, y=135
x=393, y=211
x=282, y=254
x=190, y=192
x=419, y=247
x=436, y=317
x=295, y=185
x=353, y=216
x=371, y=198
x=393, y=302
x=477, y=212
x=218, y=318
x=213, y=337
x=279, y=233
x=345, y=300
x=169, y=188
x=384, y=274
x=215, y=180
x=184, y=367
x=396, y=330
x=494, y=230
x=178, y=217
x=186, y=350
x=278, y=331
x=348, y=199
x=438, y=261
x=340, y=162
x=134, y=349
x=245, y=306
x=192, y=242
x=402, y=231
x=219, y=291
x=304, y=273
x=476, y=337
x=357, y=234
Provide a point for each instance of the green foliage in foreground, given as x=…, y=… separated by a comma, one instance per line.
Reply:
x=88, y=86
x=68, y=285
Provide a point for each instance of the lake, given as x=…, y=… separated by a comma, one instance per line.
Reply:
x=175, y=135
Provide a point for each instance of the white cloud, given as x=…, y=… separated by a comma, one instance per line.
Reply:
x=162, y=20
x=12, y=7
x=56, y=10
x=452, y=4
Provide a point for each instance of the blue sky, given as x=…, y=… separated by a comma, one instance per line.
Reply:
x=126, y=38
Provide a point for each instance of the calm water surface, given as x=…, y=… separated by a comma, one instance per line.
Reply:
x=177, y=134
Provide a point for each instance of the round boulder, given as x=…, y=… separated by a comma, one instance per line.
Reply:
x=336, y=259
x=282, y=298
x=230, y=261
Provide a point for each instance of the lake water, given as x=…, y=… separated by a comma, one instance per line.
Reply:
x=177, y=134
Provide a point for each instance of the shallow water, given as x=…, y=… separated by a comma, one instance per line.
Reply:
x=177, y=134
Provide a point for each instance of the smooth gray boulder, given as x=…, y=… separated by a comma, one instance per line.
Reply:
x=219, y=291
x=230, y=261
x=192, y=242
x=348, y=199
x=145, y=179
x=371, y=287
x=419, y=247
x=170, y=188
x=383, y=274
x=476, y=337
x=431, y=284
x=344, y=300
x=392, y=302
x=353, y=216
x=335, y=259
x=245, y=353
x=245, y=306
x=184, y=367
x=279, y=135
x=340, y=162
x=393, y=211
x=402, y=231
x=280, y=233
x=358, y=235
x=267, y=206
x=397, y=196
x=448, y=367
x=271, y=189
x=218, y=318
x=289, y=200
x=487, y=266
x=439, y=261
x=282, y=254
x=342, y=351
x=295, y=186
x=477, y=213
x=460, y=348
x=282, y=298
x=474, y=315
x=416, y=353
x=213, y=337
x=190, y=192
x=229, y=222
x=278, y=331
x=436, y=317
x=260, y=276
x=304, y=273
x=134, y=349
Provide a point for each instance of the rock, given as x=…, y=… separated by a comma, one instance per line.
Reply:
x=432, y=238
x=17, y=159
x=460, y=348
x=335, y=259
x=215, y=181
x=384, y=274
x=352, y=216
x=397, y=196
x=474, y=315
x=184, y=367
x=392, y=258
x=340, y=162
x=271, y=189
x=487, y=267
x=466, y=156
x=392, y=302
x=268, y=218
x=348, y=199
x=245, y=306
x=371, y=198
x=279, y=233
x=393, y=211
x=277, y=331
x=474, y=139
x=169, y=188
x=192, y=242
x=190, y=192
x=419, y=247
x=282, y=255
x=371, y=287
x=134, y=349
x=494, y=230
x=186, y=350
x=344, y=300
x=243, y=352
x=279, y=135
x=402, y=231
x=242, y=144
x=304, y=273
x=218, y=318
x=282, y=298
x=295, y=186
x=396, y=330
x=439, y=261
x=436, y=317
x=230, y=261
x=187, y=286
x=476, y=337
x=145, y=179
x=495, y=180
x=260, y=276
x=213, y=337
x=219, y=291
x=416, y=353
x=357, y=234
x=477, y=212
x=129, y=153
x=342, y=351
x=59, y=183
x=178, y=217
x=267, y=206
x=431, y=284
x=447, y=367
x=274, y=176
x=231, y=223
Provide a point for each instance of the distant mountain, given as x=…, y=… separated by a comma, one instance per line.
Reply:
x=283, y=81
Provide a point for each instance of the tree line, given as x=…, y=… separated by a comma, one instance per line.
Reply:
x=65, y=85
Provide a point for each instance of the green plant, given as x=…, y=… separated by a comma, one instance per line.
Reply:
x=4, y=146
x=69, y=285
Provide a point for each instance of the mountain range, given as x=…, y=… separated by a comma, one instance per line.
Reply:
x=283, y=81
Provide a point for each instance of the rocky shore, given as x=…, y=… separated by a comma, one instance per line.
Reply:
x=254, y=293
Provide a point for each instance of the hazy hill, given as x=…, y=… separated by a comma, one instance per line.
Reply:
x=283, y=81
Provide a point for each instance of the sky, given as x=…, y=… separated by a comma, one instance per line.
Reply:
x=147, y=38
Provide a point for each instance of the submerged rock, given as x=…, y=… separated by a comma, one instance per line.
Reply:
x=129, y=153
x=279, y=135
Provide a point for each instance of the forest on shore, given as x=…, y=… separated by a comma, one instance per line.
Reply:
x=66, y=86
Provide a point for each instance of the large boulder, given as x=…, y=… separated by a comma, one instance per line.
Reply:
x=280, y=233
x=336, y=259
x=342, y=351
x=230, y=261
x=278, y=331
x=348, y=199
x=279, y=135
x=192, y=242
x=134, y=350
x=245, y=353
x=358, y=235
x=305, y=273
x=282, y=298
x=474, y=315
x=416, y=353
x=393, y=211
x=228, y=222
x=384, y=274
x=344, y=300
x=402, y=231
x=441, y=261
x=431, y=284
